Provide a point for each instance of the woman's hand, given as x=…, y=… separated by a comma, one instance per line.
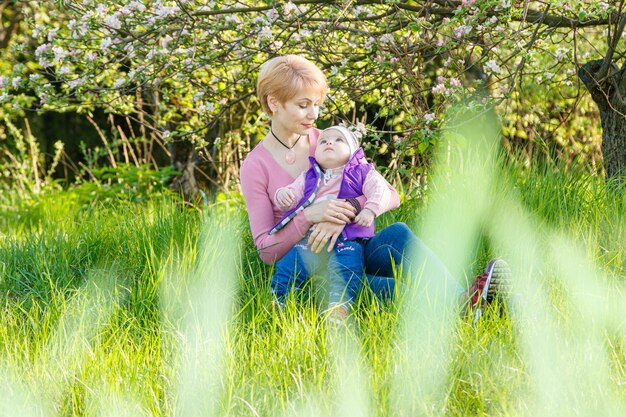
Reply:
x=323, y=233
x=334, y=211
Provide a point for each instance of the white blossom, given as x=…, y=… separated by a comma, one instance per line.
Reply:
x=119, y=82
x=265, y=33
x=492, y=67
x=360, y=10
x=137, y=5
x=52, y=34
x=101, y=9
x=272, y=15
x=360, y=129
x=113, y=21
x=59, y=54
x=289, y=8
x=260, y=20
x=561, y=53
x=166, y=41
x=41, y=49
x=206, y=108
x=429, y=118
x=74, y=83
x=105, y=43
x=387, y=38
x=165, y=11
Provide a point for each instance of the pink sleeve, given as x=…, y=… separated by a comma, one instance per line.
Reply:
x=254, y=183
x=297, y=188
x=378, y=192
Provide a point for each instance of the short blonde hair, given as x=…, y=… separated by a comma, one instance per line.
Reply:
x=286, y=75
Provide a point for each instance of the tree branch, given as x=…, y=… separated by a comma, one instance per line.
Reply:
x=608, y=59
x=443, y=8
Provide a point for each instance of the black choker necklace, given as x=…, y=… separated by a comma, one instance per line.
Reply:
x=290, y=155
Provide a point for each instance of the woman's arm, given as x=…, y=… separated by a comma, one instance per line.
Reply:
x=261, y=217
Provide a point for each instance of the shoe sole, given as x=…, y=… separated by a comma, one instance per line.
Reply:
x=498, y=281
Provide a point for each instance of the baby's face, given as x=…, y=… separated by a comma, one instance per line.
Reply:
x=332, y=149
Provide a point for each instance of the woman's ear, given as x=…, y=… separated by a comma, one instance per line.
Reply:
x=272, y=103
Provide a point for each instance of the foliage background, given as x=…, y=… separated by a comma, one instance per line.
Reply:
x=172, y=82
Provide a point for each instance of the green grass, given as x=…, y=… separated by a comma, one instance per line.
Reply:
x=155, y=309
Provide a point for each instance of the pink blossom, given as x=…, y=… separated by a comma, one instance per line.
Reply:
x=461, y=31
x=455, y=82
x=41, y=49
x=439, y=89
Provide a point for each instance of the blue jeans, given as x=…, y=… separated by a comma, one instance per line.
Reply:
x=397, y=245
x=344, y=265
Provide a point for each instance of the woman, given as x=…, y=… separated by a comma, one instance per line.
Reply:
x=291, y=90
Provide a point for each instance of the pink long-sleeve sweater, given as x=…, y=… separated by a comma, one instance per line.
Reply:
x=260, y=177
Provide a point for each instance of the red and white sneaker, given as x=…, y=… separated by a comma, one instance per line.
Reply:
x=337, y=313
x=494, y=282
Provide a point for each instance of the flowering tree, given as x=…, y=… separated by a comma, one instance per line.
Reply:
x=186, y=68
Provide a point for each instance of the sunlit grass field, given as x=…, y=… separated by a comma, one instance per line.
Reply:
x=159, y=309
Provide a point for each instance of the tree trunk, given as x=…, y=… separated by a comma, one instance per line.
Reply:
x=609, y=94
x=183, y=156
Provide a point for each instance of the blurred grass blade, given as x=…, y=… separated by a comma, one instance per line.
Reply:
x=459, y=205
x=199, y=303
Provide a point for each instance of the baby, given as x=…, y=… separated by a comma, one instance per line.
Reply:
x=339, y=170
